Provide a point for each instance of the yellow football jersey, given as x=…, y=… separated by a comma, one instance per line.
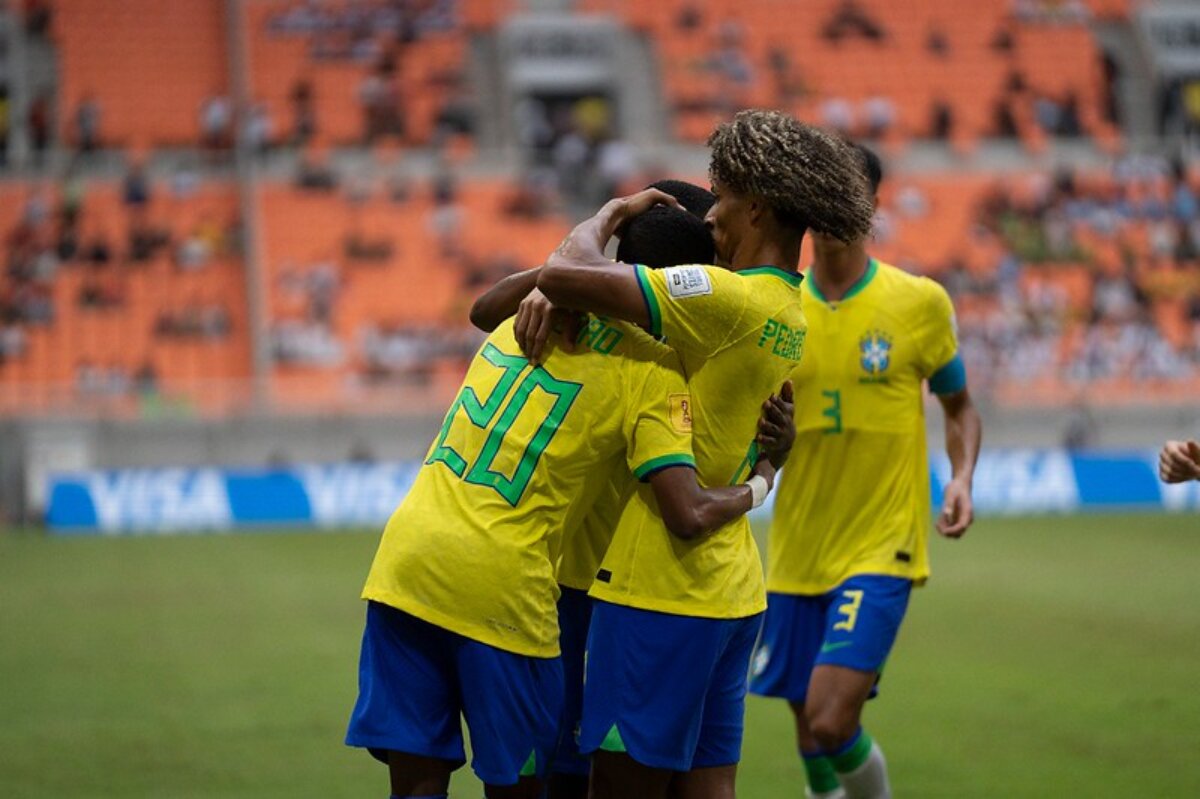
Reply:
x=739, y=335
x=854, y=497
x=521, y=457
x=584, y=547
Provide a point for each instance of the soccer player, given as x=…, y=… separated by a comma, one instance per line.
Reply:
x=659, y=237
x=461, y=615
x=1179, y=461
x=848, y=537
x=674, y=622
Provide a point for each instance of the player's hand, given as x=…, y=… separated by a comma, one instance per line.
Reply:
x=1179, y=461
x=777, y=425
x=957, y=510
x=538, y=318
x=623, y=209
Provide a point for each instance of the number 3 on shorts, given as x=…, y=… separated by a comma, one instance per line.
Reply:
x=849, y=609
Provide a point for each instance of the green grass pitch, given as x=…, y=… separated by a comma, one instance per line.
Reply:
x=1048, y=657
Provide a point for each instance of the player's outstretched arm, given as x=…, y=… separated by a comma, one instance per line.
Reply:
x=577, y=276
x=503, y=299
x=1179, y=461
x=691, y=512
x=964, y=432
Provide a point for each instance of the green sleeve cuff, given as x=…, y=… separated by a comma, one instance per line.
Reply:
x=651, y=300
x=653, y=465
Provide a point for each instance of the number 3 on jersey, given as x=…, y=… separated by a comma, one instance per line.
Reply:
x=833, y=411
x=481, y=414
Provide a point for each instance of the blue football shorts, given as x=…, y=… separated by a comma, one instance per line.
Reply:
x=574, y=618
x=668, y=690
x=854, y=626
x=415, y=679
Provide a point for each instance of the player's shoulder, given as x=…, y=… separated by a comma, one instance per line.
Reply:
x=627, y=346
x=912, y=290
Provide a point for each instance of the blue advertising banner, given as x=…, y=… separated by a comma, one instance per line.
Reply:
x=169, y=500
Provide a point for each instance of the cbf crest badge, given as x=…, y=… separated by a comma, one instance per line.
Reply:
x=875, y=355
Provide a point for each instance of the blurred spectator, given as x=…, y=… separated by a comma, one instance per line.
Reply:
x=259, y=129
x=1002, y=40
x=87, y=124
x=358, y=246
x=5, y=123
x=145, y=379
x=456, y=115
x=145, y=240
x=216, y=122
x=135, y=190
x=730, y=67
x=315, y=173
x=379, y=98
x=838, y=114
x=39, y=127
x=941, y=119
x=788, y=85
x=194, y=250
x=1082, y=431
x=37, y=15
x=879, y=114
x=532, y=196
x=446, y=219
x=304, y=114
x=689, y=18
x=305, y=343
x=13, y=341
x=850, y=19
x=936, y=42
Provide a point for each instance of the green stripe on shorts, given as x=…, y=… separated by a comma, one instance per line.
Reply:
x=612, y=742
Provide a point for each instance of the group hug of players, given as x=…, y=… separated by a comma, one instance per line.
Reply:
x=573, y=572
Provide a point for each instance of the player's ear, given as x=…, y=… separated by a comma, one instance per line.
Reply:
x=757, y=207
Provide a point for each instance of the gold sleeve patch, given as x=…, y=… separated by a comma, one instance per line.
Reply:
x=681, y=412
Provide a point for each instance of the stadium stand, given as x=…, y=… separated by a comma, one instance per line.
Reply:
x=358, y=71
x=121, y=304
x=894, y=70
x=369, y=288
x=151, y=66
x=1088, y=280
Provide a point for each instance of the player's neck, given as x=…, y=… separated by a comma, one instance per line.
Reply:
x=836, y=269
x=781, y=253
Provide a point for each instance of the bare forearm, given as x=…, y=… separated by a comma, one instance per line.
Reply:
x=964, y=433
x=584, y=245
x=692, y=512
x=502, y=300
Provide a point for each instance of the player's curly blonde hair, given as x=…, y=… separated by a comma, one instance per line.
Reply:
x=809, y=178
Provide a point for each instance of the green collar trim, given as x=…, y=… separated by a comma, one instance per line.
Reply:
x=794, y=279
x=872, y=268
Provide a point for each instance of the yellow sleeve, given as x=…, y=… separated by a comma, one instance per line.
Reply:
x=658, y=418
x=937, y=333
x=697, y=308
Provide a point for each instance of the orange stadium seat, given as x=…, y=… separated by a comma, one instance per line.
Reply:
x=149, y=63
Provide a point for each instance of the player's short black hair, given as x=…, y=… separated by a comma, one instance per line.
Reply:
x=696, y=199
x=666, y=237
x=872, y=166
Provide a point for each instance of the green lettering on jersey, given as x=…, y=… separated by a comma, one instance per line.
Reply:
x=599, y=335
x=783, y=341
x=482, y=414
